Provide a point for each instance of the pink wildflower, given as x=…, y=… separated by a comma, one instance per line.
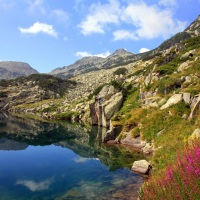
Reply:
x=169, y=173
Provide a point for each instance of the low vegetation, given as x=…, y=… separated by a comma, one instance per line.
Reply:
x=45, y=81
x=120, y=71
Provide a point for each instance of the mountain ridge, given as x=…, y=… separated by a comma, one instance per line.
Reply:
x=91, y=63
x=14, y=69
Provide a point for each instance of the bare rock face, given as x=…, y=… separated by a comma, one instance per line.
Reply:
x=141, y=166
x=105, y=105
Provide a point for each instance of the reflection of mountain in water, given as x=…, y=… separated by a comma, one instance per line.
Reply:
x=36, y=132
x=6, y=144
x=86, y=143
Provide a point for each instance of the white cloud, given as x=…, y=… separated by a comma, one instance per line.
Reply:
x=152, y=22
x=38, y=27
x=144, y=20
x=81, y=160
x=124, y=35
x=168, y=2
x=85, y=54
x=99, y=16
x=142, y=50
x=35, y=186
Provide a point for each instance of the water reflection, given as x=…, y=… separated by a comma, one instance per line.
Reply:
x=62, y=161
x=6, y=144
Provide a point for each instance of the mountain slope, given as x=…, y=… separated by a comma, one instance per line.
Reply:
x=86, y=64
x=9, y=69
x=93, y=63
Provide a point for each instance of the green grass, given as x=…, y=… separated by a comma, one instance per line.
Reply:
x=65, y=116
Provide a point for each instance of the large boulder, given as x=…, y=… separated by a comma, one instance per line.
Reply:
x=176, y=98
x=195, y=107
x=186, y=97
x=141, y=166
x=106, y=103
x=113, y=105
x=107, y=91
x=188, y=54
x=183, y=66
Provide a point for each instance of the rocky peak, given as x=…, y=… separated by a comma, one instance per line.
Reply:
x=85, y=64
x=120, y=51
x=89, y=60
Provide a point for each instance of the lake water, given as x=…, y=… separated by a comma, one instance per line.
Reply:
x=44, y=161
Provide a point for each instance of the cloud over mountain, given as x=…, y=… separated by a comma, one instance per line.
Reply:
x=38, y=27
x=154, y=20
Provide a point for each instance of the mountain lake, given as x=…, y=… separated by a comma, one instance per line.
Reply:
x=62, y=161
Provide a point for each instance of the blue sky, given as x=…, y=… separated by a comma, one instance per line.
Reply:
x=54, y=33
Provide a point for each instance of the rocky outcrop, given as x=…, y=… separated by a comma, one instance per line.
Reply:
x=141, y=166
x=105, y=105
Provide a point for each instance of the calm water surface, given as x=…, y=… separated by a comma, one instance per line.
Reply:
x=43, y=161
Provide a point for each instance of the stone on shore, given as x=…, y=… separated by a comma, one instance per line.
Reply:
x=141, y=166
